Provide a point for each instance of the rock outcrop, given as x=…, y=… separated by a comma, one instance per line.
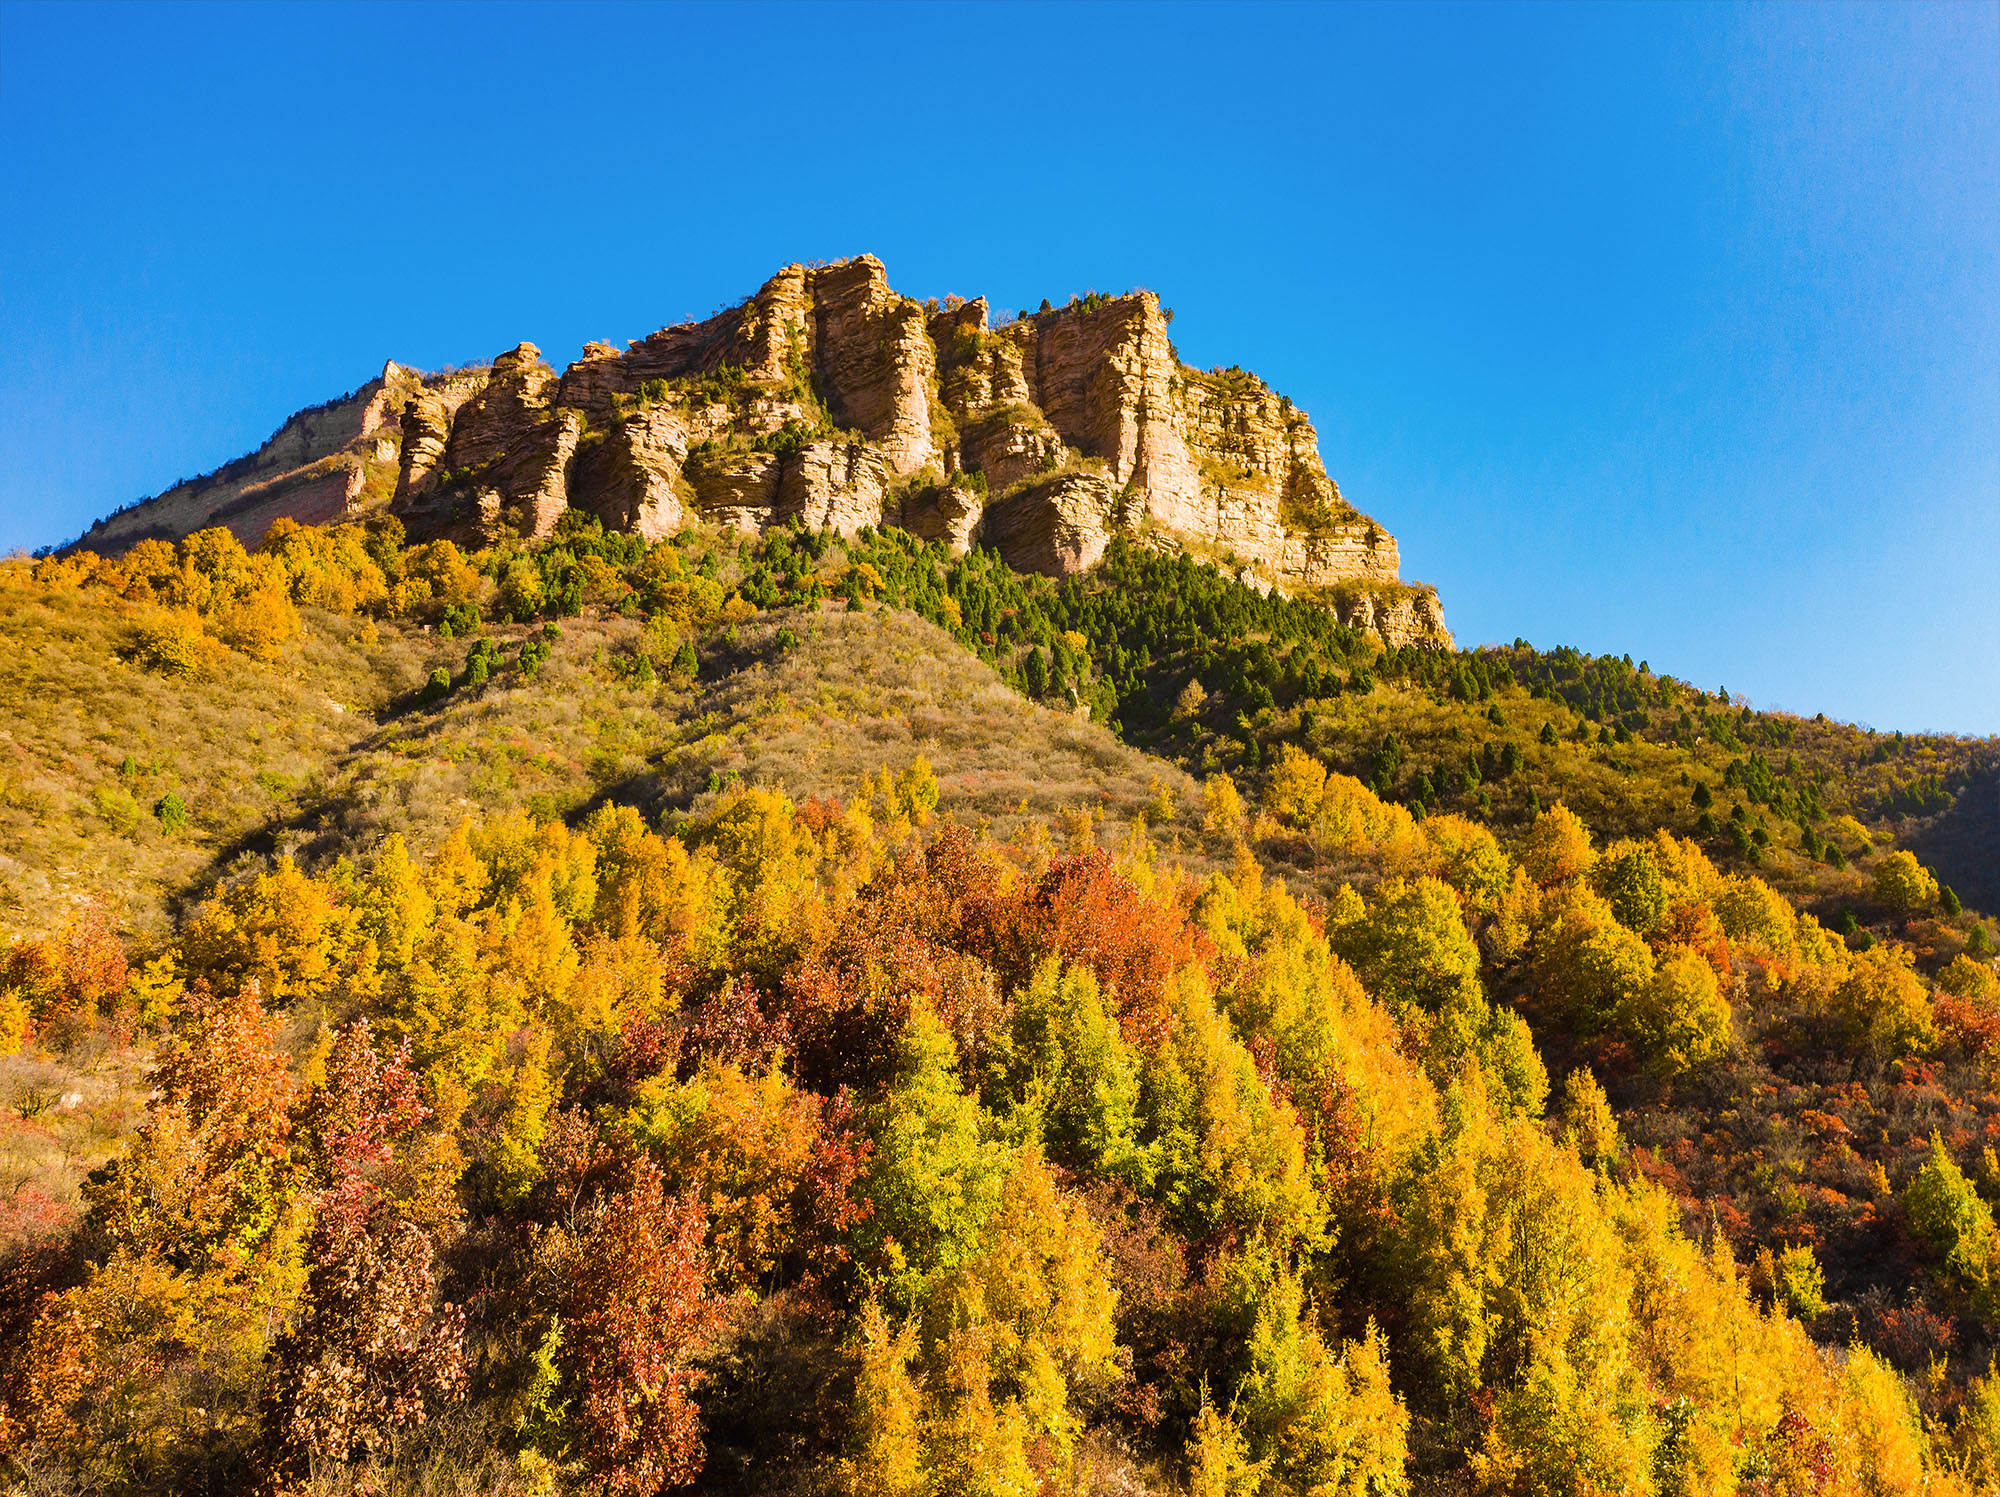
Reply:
x=829, y=398
x=324, y=464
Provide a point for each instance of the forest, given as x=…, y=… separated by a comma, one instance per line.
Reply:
x=443, y=1057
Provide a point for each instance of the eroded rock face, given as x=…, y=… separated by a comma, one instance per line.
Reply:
x=949, y=514
x=1057, y=527
x=735, y=489
x=842, y=484
x=1398, y=616
x=1011, y=446
x=830, y=398
x=632, y=479
x=322, y=465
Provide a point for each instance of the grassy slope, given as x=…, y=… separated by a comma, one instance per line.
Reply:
x=238, y=746
x=859, y=692
x=331, y=749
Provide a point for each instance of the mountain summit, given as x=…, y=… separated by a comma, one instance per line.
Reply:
x=829, y=397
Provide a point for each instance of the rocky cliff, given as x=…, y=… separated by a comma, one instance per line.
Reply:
x=829, y=397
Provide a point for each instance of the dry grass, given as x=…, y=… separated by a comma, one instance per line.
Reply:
x=237, y=747
x=859, y=692
x=61, y=1116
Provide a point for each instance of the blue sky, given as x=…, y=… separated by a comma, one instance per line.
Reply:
x=1663, y=330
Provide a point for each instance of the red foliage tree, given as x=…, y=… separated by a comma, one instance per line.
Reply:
x=372, y=1350
x=829, y=1203
x=1090, y=915
x=207, y=1169
x=634, y=1308
x=71, y=972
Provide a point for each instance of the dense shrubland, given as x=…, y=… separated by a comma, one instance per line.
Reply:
x=548, y=1100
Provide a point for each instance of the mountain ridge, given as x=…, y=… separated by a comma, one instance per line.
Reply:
x=828, y=397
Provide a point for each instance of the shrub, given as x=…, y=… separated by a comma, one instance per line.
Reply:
x=172, y=813
x=116, y=805
x=172, y=644
x=1947, y=1213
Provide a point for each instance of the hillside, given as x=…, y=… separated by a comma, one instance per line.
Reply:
x=335, y=746
x=780, y=1010
x=830, y=399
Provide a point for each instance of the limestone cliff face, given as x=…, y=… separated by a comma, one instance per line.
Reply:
x=321, y=465
x=830, y=398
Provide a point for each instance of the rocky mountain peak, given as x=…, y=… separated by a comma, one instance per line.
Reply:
x=827, y=396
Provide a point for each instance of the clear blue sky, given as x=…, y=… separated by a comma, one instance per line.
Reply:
x=1669, y=330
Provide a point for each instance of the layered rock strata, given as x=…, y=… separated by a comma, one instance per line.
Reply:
x=324, y=464
x=829, y=398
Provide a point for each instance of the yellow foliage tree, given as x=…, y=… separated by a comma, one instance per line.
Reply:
x=1468, y=857
x=286, y=931
x=885, y=1452
x=1222, y=807
x=1754, y=913
x=1903, y=884
x=1558, y=847
x=1883, y=1007
x=1678, y=1019
x=1295, y=788
x=1586, y=964
x=1320, y=1421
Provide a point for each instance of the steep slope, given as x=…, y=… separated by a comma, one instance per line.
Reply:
x=830, y=398
x=93, y=744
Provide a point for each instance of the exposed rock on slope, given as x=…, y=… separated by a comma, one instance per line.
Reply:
x=325, y=463
x=830, y=397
